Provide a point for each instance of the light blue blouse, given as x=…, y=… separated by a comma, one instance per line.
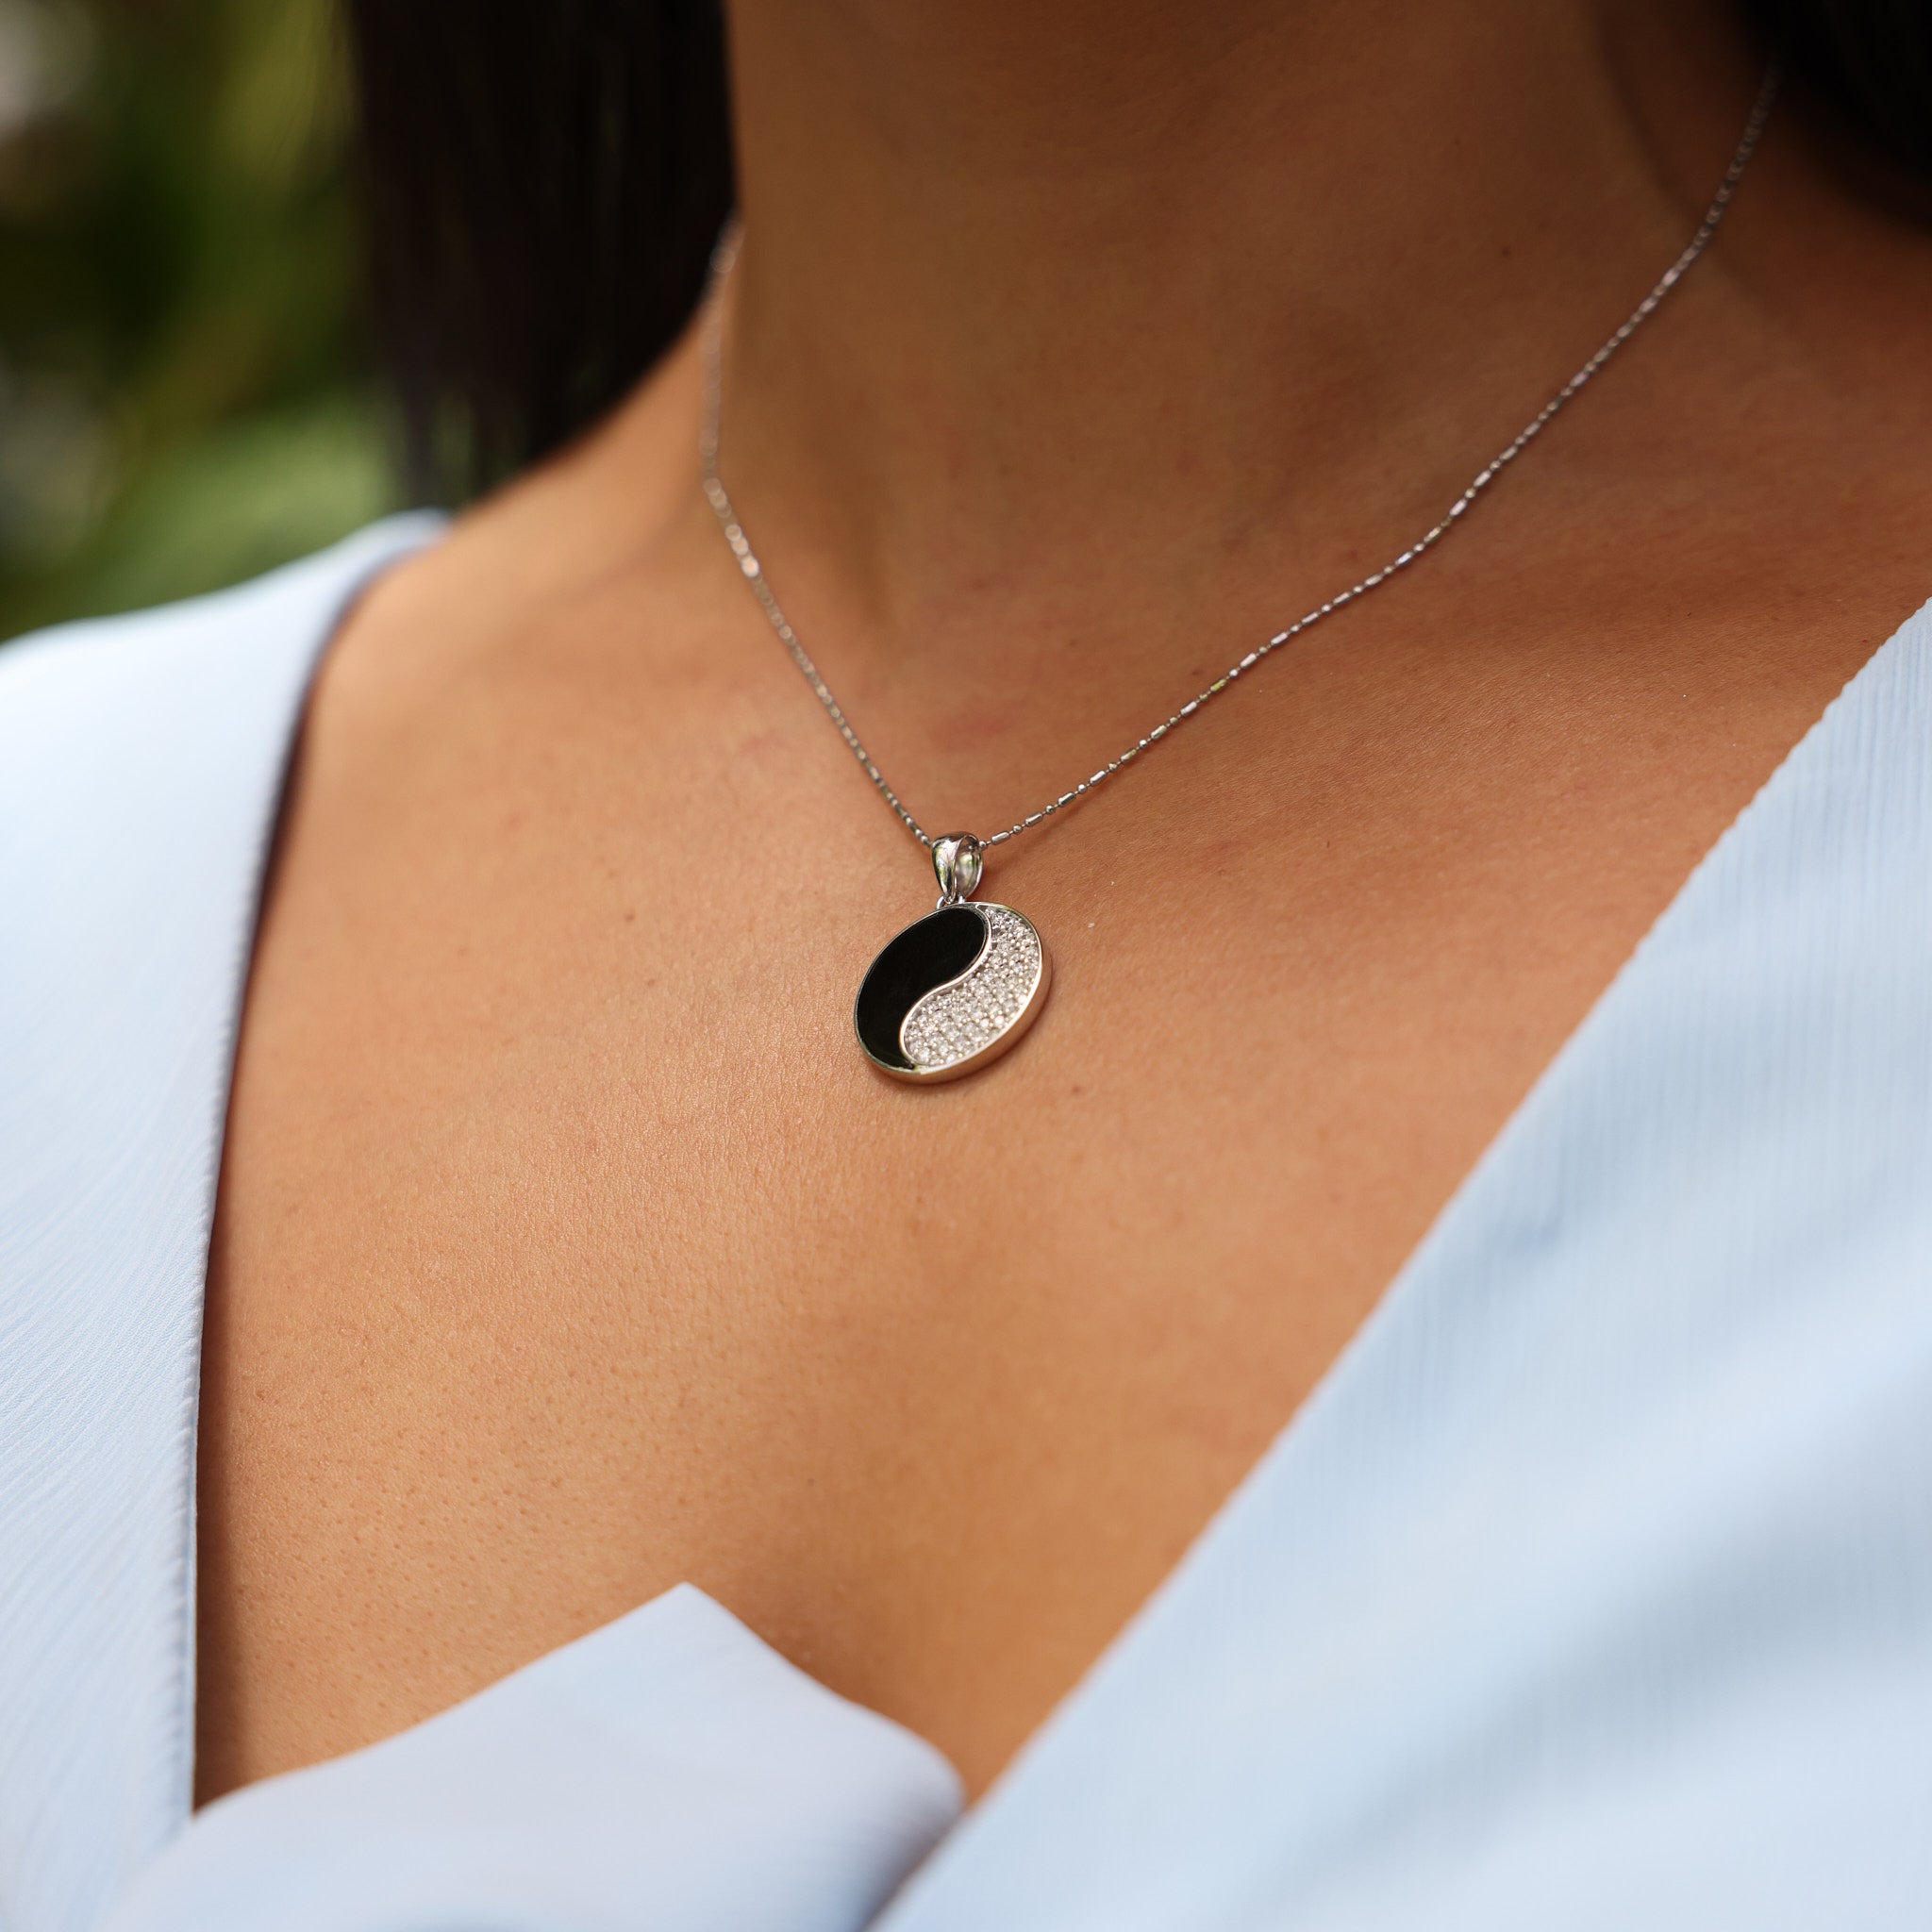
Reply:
x=1592, y=1589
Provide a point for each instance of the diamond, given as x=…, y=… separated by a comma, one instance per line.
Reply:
x=959, y=1020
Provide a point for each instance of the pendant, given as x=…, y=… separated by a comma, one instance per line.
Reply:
x=954, y=991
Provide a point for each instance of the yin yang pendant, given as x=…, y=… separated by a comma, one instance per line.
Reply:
x=956, y=988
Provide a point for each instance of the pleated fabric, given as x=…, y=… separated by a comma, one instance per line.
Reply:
x=141, y=760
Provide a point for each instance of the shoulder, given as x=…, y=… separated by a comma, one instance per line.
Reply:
x=111, y=701
x=140, y=757
x=141, y=762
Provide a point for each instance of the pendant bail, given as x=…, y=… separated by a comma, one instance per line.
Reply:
x=957, y=863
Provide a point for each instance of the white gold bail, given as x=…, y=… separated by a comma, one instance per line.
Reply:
x=957, y=863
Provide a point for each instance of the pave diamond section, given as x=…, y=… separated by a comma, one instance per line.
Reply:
x=953, y=1022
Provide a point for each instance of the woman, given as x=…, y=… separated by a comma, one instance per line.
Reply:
x=1543, y=933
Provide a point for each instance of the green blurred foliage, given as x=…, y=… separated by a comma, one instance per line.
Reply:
x=184, y=400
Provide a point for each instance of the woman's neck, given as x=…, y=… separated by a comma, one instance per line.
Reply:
x=1027, y=291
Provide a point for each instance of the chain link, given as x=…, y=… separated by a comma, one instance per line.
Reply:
x=711, y=349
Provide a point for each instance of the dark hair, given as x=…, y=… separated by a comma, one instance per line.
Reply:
x=541, y=184
x=543, y=179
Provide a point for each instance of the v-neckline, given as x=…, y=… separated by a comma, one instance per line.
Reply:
x=1417, y=1295
x=1055, y=1749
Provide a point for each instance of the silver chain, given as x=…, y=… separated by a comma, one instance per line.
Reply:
x=711, y=350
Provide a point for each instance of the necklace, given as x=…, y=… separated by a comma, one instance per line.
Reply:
x=957, y=988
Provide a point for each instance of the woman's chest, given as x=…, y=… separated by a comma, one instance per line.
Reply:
x=534, y=1301
x=569, y=1250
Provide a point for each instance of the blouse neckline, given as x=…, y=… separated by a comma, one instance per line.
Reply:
x=1299, y=1644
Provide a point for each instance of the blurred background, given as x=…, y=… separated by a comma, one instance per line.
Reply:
x=184, y=398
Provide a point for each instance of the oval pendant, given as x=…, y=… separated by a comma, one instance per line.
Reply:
x=952, y=992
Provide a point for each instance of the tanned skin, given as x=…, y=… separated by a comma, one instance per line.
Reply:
x=567, y=1246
